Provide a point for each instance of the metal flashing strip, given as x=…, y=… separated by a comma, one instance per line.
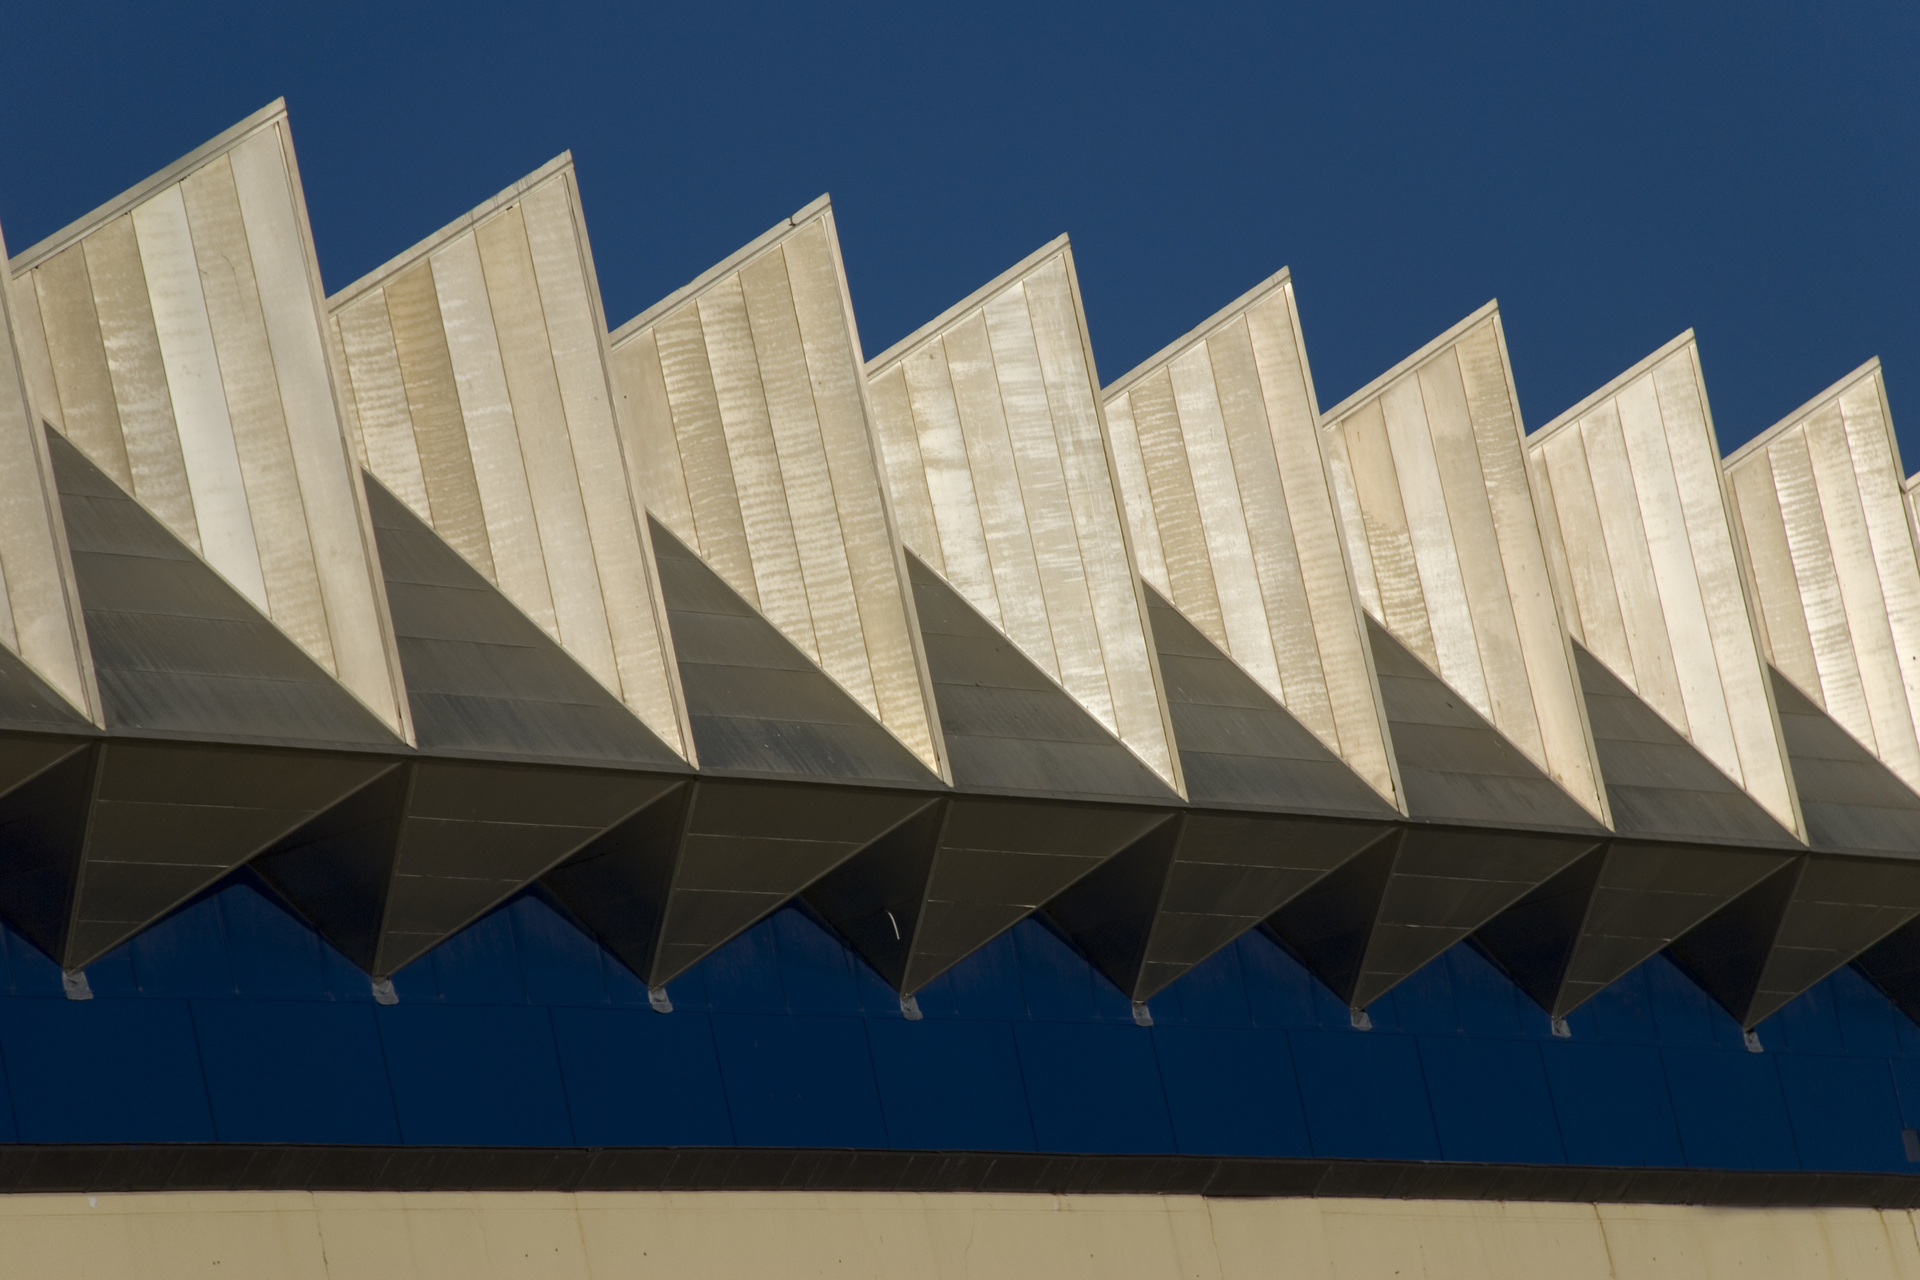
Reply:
x=27, y=1168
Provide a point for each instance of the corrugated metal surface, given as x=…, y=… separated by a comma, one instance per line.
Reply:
x=482, y=400
x=746, y=416
x=1232, y=514
x=1430, y=477
x=1631, y=478
x=998, y=458
x=186, y=355
x=1830, y=559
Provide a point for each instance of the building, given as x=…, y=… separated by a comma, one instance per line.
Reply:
x=683, y=785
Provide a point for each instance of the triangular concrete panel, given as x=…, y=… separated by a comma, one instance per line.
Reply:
x=481, y=677
x=758, y=705
x=685, y=876
x=917, y=906
x=177, y=651
x=480, y=397
x=1688, y=842
x=1384, y=914
x=1831, y=906
x=749, y=432
x=433, y=845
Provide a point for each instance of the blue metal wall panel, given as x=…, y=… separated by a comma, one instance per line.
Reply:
x=231, y=1021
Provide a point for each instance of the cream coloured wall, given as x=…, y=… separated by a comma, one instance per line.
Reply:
x=596, y=1236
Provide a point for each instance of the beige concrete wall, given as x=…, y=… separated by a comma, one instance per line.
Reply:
x=774, y=1235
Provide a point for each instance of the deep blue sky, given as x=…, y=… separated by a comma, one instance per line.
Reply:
x=1612, y=173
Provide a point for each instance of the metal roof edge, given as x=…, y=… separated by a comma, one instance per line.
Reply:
x=893, y=354
x=1610, y=388
x=1801, y=414
x=1199, y=333
x=1478, y=316
x=817, y=207
x=466, y=221
x=227, y=140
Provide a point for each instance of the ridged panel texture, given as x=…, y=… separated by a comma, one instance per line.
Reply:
x=1630, y=483
x=1831, y=561
x=1430, y=475
x=186, y=352
x=747, y=424
x=1218, y=451
x=1000, y=468
x=39, y=609
x=482, y=399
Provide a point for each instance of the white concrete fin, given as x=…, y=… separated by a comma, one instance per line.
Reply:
x=479, y=388
x=40, y=619
x=746, y=422
x=179, y=343
x=1006, y=485
x=1650, y=576
x=1219, y=455
x=1448, y=552
x=1824, y=523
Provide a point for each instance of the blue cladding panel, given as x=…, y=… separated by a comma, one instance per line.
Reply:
x=104, y=1071
x=1730, y=1108
x=951, y=1085
x=1094, y=1088
x=799, y=1082
x=232, y=1021
x=482, y=1076
x=1490, y=1100
x=1364, y=1095
x=1232, y=1092
x=278, y=1071
x=1612, y=1104
x=637, y=1079
x=1845, y=1113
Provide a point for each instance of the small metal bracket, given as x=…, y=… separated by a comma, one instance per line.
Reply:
x=73, y=984
x=1359, y=1019
x=657, y=1000
x=1561, y=1031
x=1752, y=1039
x=1142, y=1016
x=383, y=992
x=910, y=1009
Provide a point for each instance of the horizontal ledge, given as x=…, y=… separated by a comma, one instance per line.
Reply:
x=189, y=1166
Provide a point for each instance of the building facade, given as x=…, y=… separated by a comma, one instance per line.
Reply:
x=473, y=774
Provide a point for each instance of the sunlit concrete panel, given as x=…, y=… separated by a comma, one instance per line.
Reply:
x=1219, y=456
x=1630, y=485
x=1006, y=487
x=747, y=426
x=1430, y=476
x=480, y=395
x=1831, y=562
x=39, y=607
x=180, y=345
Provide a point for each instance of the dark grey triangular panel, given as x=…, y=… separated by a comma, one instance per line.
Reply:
x=429, y=847
x=1454, y=766
x=759, y=705
x=482, y=677
x=43, y=823
x=1690, y=841
x=1802, y=924
x=992, y=862
x=1195, y=884
x=1008, y=726
x=1238, y=747
x=1893, y=965
x=176, y=650
x=689, y=873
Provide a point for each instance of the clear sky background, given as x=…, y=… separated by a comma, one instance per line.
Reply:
x=1613, y=173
